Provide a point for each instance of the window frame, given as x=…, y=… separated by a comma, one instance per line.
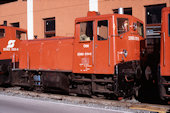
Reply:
x=118, y=26
x=4, y=33
x=20, y=33
x=98, y=32
x=149, y=9
x=127, y=11
x=8, y=1
x=142, y=29
x=16, y=24
x=52, y=32
x=80, y=35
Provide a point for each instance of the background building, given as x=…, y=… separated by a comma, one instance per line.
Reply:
x=56, y=17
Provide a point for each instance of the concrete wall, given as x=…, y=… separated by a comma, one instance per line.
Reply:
x=65, y=12
x=138, y=6
x=14, y=12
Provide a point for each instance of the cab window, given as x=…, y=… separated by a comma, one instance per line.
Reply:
x=102, y=30
x=86, y=31
x=169, y=25
x=21, y=35
x=140, y=29
x=122, y=25
x=2, y=33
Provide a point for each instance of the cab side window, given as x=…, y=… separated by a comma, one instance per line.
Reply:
x=169, y=24
x=102, y=30
x=86, y=31
x=21, y=35
x=2, y=33
x=122, y=25
x=140, y=29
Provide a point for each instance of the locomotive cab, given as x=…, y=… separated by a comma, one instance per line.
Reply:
x=10, y=38
x=164, y=78
x=105, y=41
x=107, y=47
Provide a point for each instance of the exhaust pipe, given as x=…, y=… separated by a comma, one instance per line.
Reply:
x=120, y=10
x=5, y=23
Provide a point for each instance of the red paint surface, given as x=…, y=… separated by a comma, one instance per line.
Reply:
x=47, y=54
x=9, y=53
x=165, y=44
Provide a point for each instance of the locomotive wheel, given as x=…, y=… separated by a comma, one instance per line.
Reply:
x=148, y=73
x=138, y=73
x=148, y=90
x=4, y=74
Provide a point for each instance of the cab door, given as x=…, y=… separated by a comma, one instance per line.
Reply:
x=83, y=60
x=102, y=47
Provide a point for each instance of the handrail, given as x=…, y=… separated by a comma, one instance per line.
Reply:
x=164, y=48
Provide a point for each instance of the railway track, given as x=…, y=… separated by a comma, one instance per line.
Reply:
x=128, y=104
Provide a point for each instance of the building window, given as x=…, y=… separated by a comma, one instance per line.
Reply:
x=153, y=13
x=102, y=30
x=122, y=25
x=6, y=1
x=2, y=33
x=16, y=24
x=86, y=31
x=127, y=11
x=49, y=27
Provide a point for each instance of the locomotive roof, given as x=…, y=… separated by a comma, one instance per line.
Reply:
x=166, y=9
x=10, y=27
x=106, y=16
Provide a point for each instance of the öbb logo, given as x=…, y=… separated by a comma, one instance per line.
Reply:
x=11, y=43
x=10, y=46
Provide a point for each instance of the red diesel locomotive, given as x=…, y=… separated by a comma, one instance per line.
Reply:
x=102, y=59
x=10, y=39
x=156, y=67
x=164, y=78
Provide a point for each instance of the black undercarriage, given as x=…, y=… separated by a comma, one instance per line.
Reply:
x=124, y=83
x=5, y=71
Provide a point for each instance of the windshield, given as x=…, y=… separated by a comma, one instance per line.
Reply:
x=2, y=33
x=21, y=35
x=86, y=31
x=140, y=29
